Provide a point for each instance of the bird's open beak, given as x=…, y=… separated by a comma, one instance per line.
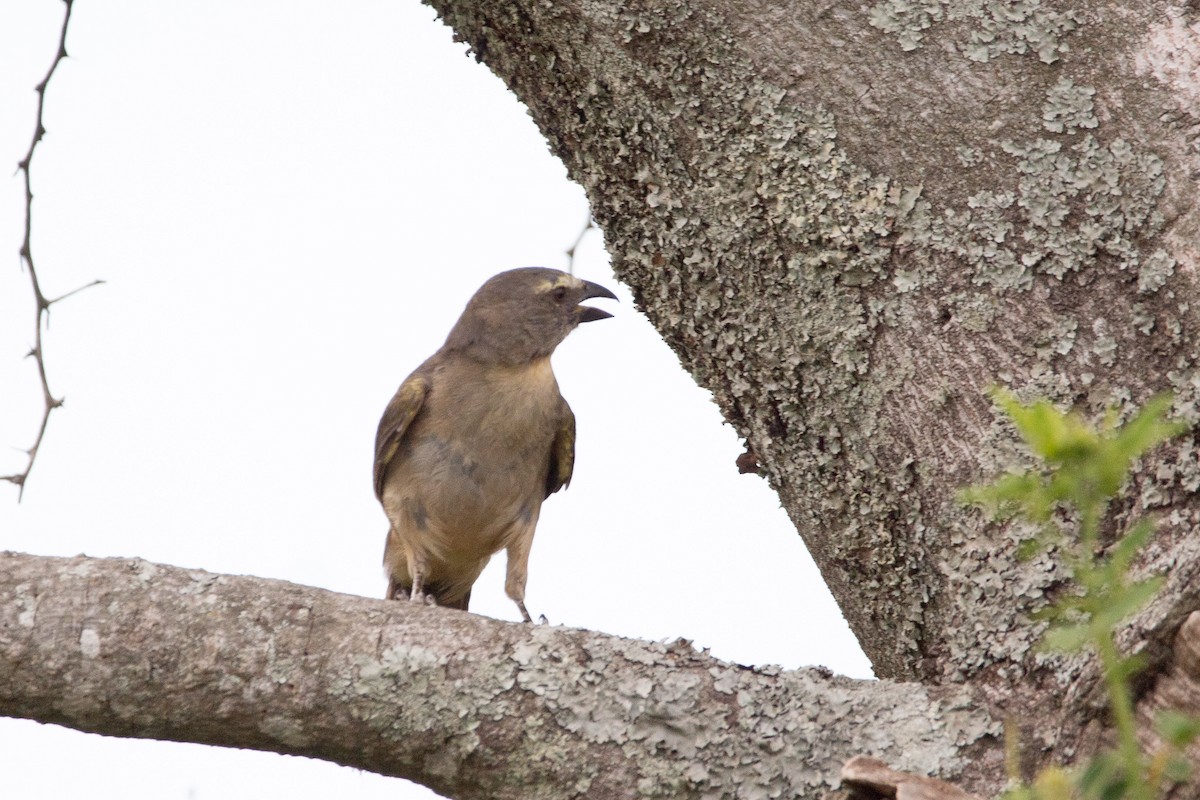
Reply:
x=587, y=313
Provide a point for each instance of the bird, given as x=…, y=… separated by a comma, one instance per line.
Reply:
x=477, y=437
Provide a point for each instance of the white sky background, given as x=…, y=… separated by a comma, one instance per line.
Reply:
x=291, y=202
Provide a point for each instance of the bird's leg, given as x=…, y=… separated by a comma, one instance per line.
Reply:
x=395, y=565
x=524, y=612
x=418, y=565
x=518, y=565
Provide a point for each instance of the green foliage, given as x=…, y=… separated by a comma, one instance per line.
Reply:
x=1081, y=469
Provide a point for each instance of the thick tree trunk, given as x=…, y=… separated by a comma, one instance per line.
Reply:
x=850, y=219
x=472, y=707
x=848, y=241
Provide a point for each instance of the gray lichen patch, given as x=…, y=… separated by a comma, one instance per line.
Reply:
x=1075, y=199
x=1073, y=202
x=982, y=29
x=997, y=597
x=1068, y=107
x=1104, y=345
x=808, y=336
x=663, y=717
x=1057, y=339
x=638, y=696
x=783, y=196
x=1155, y=270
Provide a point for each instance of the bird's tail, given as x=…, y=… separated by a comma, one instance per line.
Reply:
x=459, y=603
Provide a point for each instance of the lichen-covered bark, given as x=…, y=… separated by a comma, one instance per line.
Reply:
x=850, y=219
x=473, y=708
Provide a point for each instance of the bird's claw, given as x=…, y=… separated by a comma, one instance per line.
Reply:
x=422, y=598
x=528, y=619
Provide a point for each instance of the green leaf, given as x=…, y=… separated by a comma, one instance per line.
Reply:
x=1018, y=793
x=1067, y=638
x=1052, y=783
x=1013, y=494
x=1128, y=545
x=1122, y=602
x=1102, y=778
x=1083, y=467
x=1050, y=433
x=1029, y=548
x=1178, y=770
x=1148, y=428
x=1177, y=728
x=1131, y=665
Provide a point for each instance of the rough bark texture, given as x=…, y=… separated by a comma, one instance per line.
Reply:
x=471, y=707
x=850, y=220
x=1178, y=687
x=785, y=189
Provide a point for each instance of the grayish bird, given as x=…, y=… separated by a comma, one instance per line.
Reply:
x=477, y=437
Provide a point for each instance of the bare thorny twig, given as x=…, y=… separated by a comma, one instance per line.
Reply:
x=575, y=246
x=50, y=402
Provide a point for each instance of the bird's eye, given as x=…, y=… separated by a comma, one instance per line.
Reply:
x=559, y=293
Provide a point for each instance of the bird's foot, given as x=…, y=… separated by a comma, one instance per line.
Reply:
x=400, y=593
x=525, y=614
x=422, y=598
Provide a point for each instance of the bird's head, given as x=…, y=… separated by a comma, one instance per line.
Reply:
x=523, y=314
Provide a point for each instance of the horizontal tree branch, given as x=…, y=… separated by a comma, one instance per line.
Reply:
x=469, y=706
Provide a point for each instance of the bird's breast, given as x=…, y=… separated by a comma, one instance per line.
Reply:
x=472, y=470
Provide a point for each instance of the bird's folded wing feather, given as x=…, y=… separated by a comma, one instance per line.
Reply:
x=562, y=453
x=397, y=418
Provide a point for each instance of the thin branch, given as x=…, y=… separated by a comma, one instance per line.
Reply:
x=49, y=401
x=575, y=246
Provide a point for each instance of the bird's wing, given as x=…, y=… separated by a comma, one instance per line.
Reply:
x=562, y=453
x=398, y=415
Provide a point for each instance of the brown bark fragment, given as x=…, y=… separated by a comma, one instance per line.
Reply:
x=871, y=774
